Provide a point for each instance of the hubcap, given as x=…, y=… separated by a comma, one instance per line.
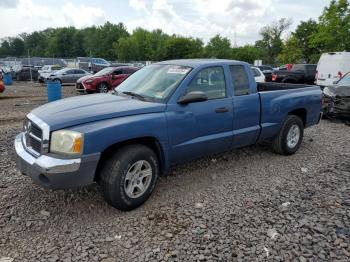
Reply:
x=293, y=136
x=138, y=179
x=103, y=89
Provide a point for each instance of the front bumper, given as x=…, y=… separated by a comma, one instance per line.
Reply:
x=55, y=173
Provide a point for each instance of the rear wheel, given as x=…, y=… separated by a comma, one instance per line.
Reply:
x=57, y=80
x=290, y=136
x=128, y=178
x=102, y=88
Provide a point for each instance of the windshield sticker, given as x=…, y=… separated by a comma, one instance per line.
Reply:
x=178, y=70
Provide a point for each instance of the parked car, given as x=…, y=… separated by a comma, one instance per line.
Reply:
x=331, y=67
x=46, y=71
x=92, y=64
x=104, y=80
x=267, y=70
x=258, y=74
x=165, y=113
x=68, y=75
x=299, y=74
x=25, y=73
x=337, y=98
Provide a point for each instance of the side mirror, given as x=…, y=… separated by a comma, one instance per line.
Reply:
x=192, y=97
x=335, y=82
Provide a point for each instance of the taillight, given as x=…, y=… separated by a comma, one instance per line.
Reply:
x=273, y=77
x=340, y=75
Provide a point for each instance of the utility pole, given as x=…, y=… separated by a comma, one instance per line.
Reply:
x=30, y=68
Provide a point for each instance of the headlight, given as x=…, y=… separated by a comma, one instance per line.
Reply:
x=66, y=142
x=88, y=81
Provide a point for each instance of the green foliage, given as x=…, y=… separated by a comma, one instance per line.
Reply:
x=247, y=53
x=291, y=52
x=333, y=32
x=271, y=42
x=218, y=47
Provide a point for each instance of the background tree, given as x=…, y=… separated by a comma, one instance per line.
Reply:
x=218, y=47
x=271, y=42
x=333, y=33
x=291, y=52
x=247, y=53
x=303, y=35
x=182, y=47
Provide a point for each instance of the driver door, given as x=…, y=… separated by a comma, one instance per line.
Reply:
x=116, y=77
x=201, y=128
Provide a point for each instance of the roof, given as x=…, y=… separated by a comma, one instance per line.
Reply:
x=197, y=62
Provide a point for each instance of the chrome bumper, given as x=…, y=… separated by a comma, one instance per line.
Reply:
x=56, y=173
x=46, y=164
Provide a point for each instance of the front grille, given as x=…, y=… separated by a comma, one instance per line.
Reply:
x=33, y=136
x=79, y=86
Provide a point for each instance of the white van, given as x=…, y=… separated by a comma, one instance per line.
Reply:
x=331, y=67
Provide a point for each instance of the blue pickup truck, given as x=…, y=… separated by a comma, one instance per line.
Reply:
x=164, y=114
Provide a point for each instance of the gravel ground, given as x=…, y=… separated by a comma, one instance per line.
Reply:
x=247, y=205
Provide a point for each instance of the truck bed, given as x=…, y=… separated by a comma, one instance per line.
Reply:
x=265, y=87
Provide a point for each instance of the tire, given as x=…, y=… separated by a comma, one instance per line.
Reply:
x=282, y=144
x=58, y=80
x=113, y=179
x=102, y=88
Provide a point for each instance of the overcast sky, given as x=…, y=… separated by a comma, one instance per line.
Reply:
x=197, y=18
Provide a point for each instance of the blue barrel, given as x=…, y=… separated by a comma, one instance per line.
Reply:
x=7, y=79
x=54, y=91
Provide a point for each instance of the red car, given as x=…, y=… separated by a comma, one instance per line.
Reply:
x=2, y=86
x=104, y=80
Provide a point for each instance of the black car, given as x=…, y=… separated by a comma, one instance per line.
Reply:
x=300, y=74
x=267, y=70
x=337, y=98
x=26, y=73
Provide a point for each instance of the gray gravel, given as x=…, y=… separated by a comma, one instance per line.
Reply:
x=247, y=205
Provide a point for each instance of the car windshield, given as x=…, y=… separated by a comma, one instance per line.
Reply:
x=345, y=81
x=154, y=82
x=104, y=71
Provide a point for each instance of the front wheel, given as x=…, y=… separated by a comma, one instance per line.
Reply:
x=290, y=136
x=128, y=178
x=102, y=88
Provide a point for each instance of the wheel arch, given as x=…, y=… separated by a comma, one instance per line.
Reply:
x=148, y=141
x=300, y=112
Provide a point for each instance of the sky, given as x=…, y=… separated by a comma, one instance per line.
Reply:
x=235, y=19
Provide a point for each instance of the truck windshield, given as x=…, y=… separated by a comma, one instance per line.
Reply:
x=154, y=82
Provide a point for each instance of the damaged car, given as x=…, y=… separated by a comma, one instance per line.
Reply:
x=337, y=98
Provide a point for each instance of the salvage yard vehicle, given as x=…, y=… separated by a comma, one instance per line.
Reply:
x=25, y=73
x=164, y=114
x=337, y=98
x=331, y=67
x=46, y=71
x=104, y=80
x=68, y=75
x=299, y=74
x=258, y=75
x=2, y=86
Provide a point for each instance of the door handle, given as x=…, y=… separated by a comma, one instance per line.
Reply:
x=221, y=110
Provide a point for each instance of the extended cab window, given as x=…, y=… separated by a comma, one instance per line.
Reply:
x=255, y=72
x=240, y=80
x=210, y=81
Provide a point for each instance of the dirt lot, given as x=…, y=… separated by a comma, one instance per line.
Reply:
x=247, y=205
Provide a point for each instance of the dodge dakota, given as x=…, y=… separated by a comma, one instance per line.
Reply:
x=165, y=113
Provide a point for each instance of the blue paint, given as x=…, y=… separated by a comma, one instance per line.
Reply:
x=54, y=91
x=187, y=131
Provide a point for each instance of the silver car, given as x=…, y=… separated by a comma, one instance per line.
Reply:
x=68, y=75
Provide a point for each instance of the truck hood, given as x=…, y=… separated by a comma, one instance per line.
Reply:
x=84, y=78
x=84, y=109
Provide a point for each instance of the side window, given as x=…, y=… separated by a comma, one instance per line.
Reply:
x=117, y=72
x=79, y=72
x=210, y=81
x=70, y=72
x=240, y=80
x=255, y=72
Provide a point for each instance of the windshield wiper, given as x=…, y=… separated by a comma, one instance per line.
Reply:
x=140, y=97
